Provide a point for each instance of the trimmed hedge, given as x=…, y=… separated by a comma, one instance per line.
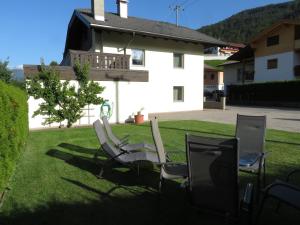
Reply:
x=13, y=129
x=281, y=91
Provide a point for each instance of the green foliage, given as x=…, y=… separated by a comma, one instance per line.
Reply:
x=243, y=26
x=53, y=63
x=5, y=73
x=13, y=128
x=285, y=91
x=62, y=101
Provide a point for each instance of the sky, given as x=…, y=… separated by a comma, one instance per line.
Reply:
x=35, y=29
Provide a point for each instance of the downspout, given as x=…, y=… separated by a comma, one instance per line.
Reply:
x=117, y=81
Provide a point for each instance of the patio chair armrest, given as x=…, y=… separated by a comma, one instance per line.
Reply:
x=247, y=201
x=173, y=163
x=265, y=154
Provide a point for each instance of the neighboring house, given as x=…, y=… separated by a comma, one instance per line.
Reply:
x=142, y=63
x=222, y=52
x=276, y=50
x=240, y=68
x=273, y=55
x=213, y=79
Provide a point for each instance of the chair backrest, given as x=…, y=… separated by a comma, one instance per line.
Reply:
x=251, y=131
x=158, y=141
x=213, y=174
x=106, y=146
x=109, y=132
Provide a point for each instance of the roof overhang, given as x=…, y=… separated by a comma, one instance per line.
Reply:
x=272, y=28
x=150, y=34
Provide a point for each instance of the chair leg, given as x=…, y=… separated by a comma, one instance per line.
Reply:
x=264, y=174
x=138, y=169
x=100, y=175
x=161, y=181
x=260, y=209
x=258, y=186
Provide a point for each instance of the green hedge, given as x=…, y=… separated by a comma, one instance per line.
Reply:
x=285, y=91
x=13, y=129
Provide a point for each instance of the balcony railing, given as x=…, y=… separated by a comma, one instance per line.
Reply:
x=297, y=71
x=97, y=60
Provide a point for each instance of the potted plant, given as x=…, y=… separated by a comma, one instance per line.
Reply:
x=139, y=117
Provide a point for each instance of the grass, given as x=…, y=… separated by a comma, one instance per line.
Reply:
x=55, y=179
x=215, y=63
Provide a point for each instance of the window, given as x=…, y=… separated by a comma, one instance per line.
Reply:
x=178, y=59
x=272, y=64
x=212, y=76
x=138, y=57
x=297, y=32
x=274, y=40
x=178, y=94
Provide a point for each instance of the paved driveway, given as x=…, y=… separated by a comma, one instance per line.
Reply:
x=277, y=118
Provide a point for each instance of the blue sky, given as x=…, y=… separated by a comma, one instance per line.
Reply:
x=32, y=29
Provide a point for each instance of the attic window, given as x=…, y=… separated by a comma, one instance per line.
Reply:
x=138, y=57
x=273, y=40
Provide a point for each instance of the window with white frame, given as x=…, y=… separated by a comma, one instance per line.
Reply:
x=138, y=57
x=178, y=94
x=178, y=59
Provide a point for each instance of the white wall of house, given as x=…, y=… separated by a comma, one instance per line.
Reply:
x=230, y=75
x=284, y=71
x=156, y=95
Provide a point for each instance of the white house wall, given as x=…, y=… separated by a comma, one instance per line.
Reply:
x=230, y=75
x=154, y=96
x=284, y=71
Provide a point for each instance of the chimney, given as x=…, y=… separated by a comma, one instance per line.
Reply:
x=98, y=10
x=123, y=8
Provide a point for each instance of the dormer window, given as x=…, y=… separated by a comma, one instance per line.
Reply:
x=273, y=40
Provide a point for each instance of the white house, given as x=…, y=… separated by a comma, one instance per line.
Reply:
x=142, y=63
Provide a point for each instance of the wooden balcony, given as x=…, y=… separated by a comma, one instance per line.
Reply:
x=103, y=67
x=97, y=60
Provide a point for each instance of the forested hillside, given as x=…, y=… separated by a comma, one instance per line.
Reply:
x=241, y=27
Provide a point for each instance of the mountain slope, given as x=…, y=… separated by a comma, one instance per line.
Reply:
x=243, y=26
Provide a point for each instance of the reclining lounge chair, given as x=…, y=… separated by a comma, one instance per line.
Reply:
x=123, y=143
x=117, y=154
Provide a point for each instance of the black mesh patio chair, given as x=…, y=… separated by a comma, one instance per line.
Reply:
x=117, y=154
x=251, y=130
x=168, y=170
x=213, y=183
x=283, y=191
x=123, y=142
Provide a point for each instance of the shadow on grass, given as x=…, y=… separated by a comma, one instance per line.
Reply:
x=79, y=149
x=115, y=173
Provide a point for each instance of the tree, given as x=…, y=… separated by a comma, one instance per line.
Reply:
x=5, y=73
x=53, y=63
x=62, y=101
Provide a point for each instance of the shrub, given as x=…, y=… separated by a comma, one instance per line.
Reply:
x=280, y=91
x=13, y=129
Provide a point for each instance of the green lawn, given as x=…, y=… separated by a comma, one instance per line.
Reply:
x=55, y=179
